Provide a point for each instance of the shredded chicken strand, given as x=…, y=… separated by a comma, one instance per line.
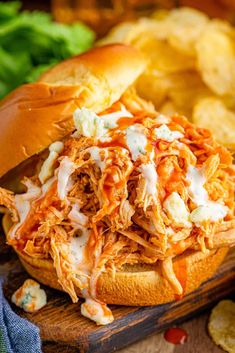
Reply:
x=128, y=204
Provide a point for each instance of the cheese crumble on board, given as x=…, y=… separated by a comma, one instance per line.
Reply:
x=30, y=296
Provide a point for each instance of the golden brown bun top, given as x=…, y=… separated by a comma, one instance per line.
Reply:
x=112, y=69
x=35, y=115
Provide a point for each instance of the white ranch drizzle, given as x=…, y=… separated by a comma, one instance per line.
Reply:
x=165, y=134
x=23, y=204
x=66, y=168
x=47, y=168
x=136, y=140
x=95, y=155
x=177, y=211
x=207, y=210
x=149, y=173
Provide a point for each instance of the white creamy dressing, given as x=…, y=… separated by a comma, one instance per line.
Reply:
x=105, y=138
x=162, y=119
x=197, y=192
x=77, y=247
x=165, y=134
x=47, y=185
x=136, y=140
x=149, y=173
x=207, y=210
x=23, y=203
x=177, y=211
x=97, y=312
x=170, y=231
x=66, y=168
x=91, y=308
x=79, y=219
x=110, y=120
x=47, y=168
x=89, y=124
x=212, y=211
x=127, y=208
x=95, y=155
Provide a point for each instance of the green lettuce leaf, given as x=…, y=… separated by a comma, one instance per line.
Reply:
x=30, y=43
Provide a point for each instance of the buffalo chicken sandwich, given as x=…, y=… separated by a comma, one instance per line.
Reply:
x=120, y=204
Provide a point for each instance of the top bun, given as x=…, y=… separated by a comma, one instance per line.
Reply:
x=35, y=115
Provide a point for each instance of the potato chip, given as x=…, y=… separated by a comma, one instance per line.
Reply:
x=170, y=108
x=125, y=32
x=229, y=101
x=216, y=59
x=156, y=29
x=168, y=40
x=212, y=114
x=222, y=26
x=153, y=87
x=221, y=325
x=129, y=32
x=185, y=27
x=160, y=14
x=159, y=87
x=186, y=95
x=191, y=66
x=163, y=56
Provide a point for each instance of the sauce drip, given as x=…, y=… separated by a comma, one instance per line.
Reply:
x=180, y=269
x=176, y=335
x=38, y=211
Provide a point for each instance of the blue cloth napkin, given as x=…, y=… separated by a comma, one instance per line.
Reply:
x=17, y=335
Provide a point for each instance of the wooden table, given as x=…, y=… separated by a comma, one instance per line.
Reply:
x=198, y=341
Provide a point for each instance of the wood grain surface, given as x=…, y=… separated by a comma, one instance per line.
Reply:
x=198, y=341
x=63, y=329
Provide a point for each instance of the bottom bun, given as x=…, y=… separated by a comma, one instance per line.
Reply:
x=140, y=285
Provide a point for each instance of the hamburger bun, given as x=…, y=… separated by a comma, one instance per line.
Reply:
x=35, y=115
x=137, y=285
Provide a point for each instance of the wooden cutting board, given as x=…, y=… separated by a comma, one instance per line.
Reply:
x=62, y=325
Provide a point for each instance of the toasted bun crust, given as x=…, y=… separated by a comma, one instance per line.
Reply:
x=137, y=285
x=35, y=115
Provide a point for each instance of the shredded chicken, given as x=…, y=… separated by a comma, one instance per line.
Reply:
x=113, y=201
x=7, y=200
x=168, y=272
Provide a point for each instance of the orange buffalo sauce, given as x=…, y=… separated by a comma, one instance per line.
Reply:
x=180, y=269
x=176, y=335
x=38, y=212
